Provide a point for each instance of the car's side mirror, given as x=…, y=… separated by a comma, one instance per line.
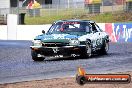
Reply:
x=43, y=31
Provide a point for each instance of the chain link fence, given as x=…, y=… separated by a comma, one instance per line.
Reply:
x=77, y=8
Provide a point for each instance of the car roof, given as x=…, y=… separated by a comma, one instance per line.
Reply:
x=90, y=21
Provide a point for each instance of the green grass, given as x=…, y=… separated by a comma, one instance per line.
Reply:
x=44, y=19
x=101, y=18
x=49, y=18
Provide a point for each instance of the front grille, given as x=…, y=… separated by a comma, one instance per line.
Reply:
x=54, y=44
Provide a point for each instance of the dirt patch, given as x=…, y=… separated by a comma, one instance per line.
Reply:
x=108, y=17
x=62, y=83
x=123, y=17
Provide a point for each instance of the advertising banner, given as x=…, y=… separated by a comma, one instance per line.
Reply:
x=123, y=32
x=119, y=32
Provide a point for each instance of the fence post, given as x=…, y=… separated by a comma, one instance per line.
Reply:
x=49, y=9
x=57, y=10
x=112, y=6
x=102, y=7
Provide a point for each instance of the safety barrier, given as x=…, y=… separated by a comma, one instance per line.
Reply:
x=118, y=32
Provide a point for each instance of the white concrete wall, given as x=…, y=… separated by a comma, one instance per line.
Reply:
x=11, y=26
x=27, y=32
x=24, y=32
x=3, y=32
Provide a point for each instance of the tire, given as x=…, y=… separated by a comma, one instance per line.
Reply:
x=81, y=80
x=105, y=48
x=35, y=58
x=88, y=50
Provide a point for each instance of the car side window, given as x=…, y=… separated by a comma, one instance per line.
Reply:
x=94, y=29
x=88, y=28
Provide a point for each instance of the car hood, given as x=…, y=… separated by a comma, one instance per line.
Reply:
x=66, y=37
x=57, y=37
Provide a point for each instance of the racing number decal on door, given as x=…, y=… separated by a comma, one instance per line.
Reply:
x=99, y=41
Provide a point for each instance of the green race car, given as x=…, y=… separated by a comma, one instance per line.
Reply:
x=70, y=38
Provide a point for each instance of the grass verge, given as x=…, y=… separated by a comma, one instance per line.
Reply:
x=100, y=18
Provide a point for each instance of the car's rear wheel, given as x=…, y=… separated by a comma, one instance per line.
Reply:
x=35, y=56
x=105, y=48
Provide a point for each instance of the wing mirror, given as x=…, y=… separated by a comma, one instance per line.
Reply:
x=43, y=31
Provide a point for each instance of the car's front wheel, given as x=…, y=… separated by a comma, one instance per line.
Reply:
x=35, y=56
x=88, y=50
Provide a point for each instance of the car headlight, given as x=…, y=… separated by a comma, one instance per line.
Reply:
x=74, y=42
x=37, y=43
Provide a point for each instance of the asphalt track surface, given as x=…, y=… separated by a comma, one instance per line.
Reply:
x=16, y=64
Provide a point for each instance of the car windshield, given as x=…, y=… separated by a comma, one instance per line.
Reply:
x=69, y=27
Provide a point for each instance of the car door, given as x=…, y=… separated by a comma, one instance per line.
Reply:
x=97, y=38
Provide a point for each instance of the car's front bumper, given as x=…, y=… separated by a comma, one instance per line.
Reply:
x=65, y=51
